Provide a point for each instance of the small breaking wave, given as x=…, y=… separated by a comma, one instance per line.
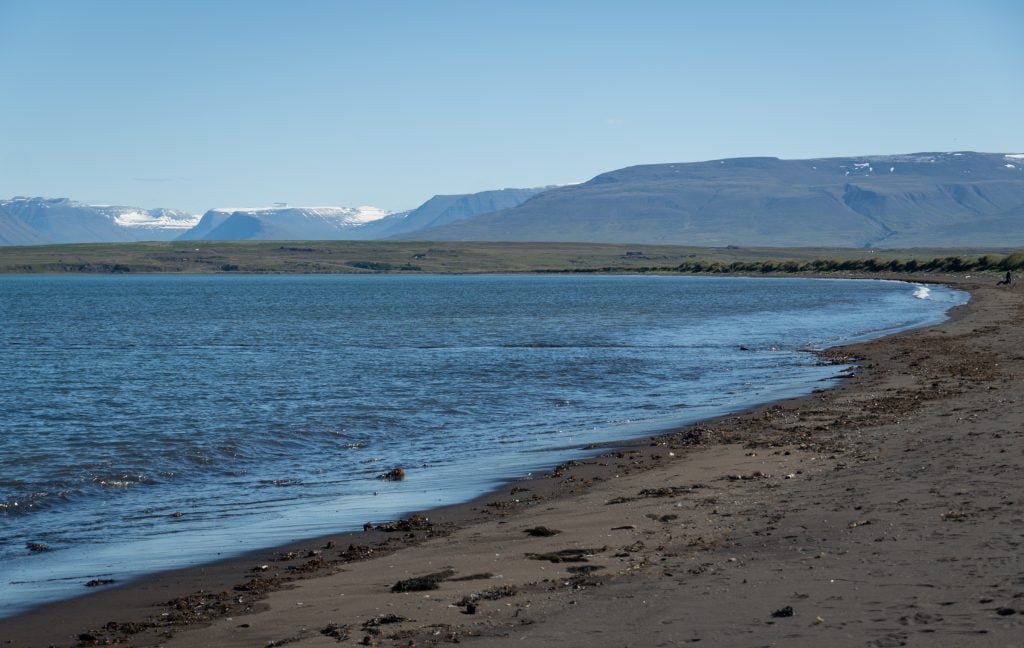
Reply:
x=922, y=292
x=121, y=481
x=34, y=501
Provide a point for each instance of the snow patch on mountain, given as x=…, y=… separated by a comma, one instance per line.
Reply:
x=164, y=219
x=62, y=220
x=342, y=215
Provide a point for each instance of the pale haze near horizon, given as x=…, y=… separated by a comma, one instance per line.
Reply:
x=196, y=105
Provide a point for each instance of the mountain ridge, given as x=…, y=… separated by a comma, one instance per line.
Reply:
x=929, y=199
x=30, y=221
x=344, y=223
x=281, y=223
x=443, y=209
x=903, y=200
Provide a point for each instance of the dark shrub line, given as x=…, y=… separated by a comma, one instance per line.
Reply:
x=1012, y=262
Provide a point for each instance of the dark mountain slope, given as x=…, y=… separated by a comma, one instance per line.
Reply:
x=444, y=209
x=14, y=231
x=281, y=223
x=209, y=222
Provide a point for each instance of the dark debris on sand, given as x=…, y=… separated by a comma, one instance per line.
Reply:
x=541, y=531
x=423, y=583
x=565, y=555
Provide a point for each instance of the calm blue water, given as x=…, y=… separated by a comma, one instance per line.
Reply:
x=262, y=408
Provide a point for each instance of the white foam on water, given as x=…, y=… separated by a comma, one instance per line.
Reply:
x=922, y=292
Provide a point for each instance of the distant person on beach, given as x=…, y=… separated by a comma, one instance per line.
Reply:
x=1006, y=280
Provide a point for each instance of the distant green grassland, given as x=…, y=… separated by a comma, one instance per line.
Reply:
x=363, y=257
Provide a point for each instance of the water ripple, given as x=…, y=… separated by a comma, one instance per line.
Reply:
x=138, y=409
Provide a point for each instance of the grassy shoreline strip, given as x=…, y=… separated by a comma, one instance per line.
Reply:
x=374, y=257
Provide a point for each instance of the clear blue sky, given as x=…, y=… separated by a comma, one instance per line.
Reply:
x=216, y=103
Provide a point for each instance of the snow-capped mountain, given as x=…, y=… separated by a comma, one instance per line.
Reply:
x=349, y=223
x=281, y=222
x=345, y=215
x=154, y=219
x=31, y=221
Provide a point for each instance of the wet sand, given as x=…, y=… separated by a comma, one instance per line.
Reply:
x=888, y=511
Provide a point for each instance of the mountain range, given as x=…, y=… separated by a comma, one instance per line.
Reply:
x=281, y=223
x=443, y=210
x=32, y=221
x=889, y=201
x=953, y=199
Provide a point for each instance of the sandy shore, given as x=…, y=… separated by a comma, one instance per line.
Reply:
x=886, y=512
